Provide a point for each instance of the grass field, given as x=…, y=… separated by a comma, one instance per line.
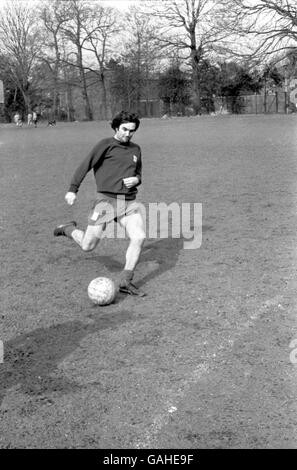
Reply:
x=203, y=360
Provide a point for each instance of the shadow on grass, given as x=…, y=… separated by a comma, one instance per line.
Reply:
x=157, y=257
x=162, y=253
x=31, y=359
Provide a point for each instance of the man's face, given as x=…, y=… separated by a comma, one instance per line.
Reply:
x=125, y=132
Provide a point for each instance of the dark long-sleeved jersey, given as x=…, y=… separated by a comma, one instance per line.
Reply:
x=111, y=161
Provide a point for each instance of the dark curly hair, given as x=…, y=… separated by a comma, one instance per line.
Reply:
x=124, y=116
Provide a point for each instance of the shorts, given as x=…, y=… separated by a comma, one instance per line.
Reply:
x=106, y=209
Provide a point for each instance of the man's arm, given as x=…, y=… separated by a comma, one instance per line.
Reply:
x=139, y=170
x=134, y=180
x=92, y=159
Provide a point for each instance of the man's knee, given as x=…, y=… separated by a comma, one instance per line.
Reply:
x=91, y=237
x=89, y=245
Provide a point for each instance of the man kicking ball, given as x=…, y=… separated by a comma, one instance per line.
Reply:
x=117, y=166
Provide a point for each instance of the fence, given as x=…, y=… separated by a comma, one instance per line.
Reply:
x=271, y=103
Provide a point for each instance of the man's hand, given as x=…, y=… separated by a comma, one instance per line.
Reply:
x=129, y=182
x=70, y=198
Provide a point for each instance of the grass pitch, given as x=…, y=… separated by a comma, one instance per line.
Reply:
x=203, y=360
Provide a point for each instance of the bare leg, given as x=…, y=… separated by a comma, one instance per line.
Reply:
x=133, y=254
x=134, y=226
x=89, y=239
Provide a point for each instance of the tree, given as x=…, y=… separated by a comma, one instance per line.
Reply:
x=272, y=24
x=236, y=79
x=271, y=78
x=123, y=86
x=174, y=90
x=141, y=53
x=14, y=100
x=193, y=28
x=21, y=42
x=99, y=31
x=75, y=16
x=52, y=20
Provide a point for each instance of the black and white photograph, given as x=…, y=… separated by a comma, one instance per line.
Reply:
x=148, y=223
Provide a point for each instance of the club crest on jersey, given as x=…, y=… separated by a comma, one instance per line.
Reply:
x=134, y=159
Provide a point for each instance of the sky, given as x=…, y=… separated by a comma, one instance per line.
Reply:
x=120, y=4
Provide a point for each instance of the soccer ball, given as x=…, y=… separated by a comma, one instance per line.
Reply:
x=102, y=291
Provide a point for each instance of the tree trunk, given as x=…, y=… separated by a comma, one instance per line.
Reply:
x=56, y=80
x=104, y=96
x=55, y=96
x=69, y=104
x=88, y=110
x=196, y=54
x=196, y=91
x=27, y=100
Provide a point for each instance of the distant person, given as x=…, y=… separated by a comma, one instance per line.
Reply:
x=30, y=119
x=117, y=166
x=18, y=120
x=34, y=117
